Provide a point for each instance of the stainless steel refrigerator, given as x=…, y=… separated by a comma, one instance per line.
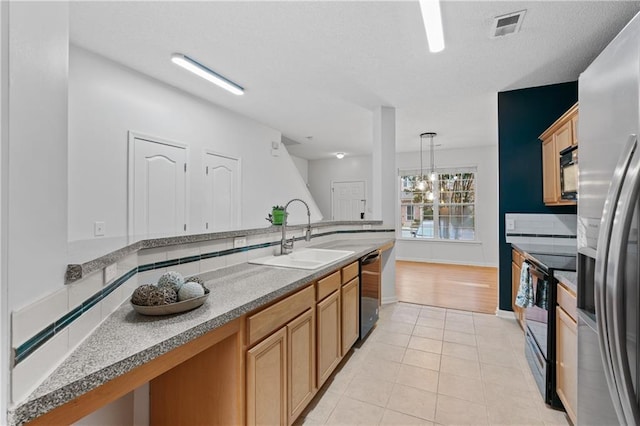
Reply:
x=608, y=262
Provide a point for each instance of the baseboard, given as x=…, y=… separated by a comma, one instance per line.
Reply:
x=447, y=262
x=387, y=300
x=505, y=314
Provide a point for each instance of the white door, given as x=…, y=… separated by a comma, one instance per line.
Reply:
x=348, y=200
x=158, y=189
x=222, y=198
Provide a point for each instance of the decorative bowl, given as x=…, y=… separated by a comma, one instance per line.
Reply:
x=172, y=308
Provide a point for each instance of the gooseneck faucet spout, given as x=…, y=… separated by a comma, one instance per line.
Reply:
x=286, y=246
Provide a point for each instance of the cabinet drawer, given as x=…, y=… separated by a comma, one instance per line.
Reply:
x=270, y=319
x=567, y=300
x=328, y=285
x=349, y=272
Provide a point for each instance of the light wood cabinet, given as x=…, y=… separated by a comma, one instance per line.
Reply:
x=301, y=337
x=350, y=314
x=516, y=268
x=561, y=135
x=281, y=369
x=328, y=335
x=267, y=381
x=567, y=353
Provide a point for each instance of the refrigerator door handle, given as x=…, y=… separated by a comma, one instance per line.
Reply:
x=615, y=293
x=603, y=310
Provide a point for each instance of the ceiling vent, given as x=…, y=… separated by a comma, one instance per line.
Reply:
x=507, y=24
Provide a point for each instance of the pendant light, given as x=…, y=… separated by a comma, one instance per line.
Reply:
x=432, y=170
x=421, y=184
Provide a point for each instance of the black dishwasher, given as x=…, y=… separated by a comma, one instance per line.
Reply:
x=370, y=289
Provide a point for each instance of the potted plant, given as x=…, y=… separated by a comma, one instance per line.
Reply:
x=277, y=215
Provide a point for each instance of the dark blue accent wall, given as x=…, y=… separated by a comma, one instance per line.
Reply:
x=522, y=116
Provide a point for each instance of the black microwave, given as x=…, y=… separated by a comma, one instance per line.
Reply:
x=569, y=173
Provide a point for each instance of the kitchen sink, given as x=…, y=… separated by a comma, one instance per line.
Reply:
x=305, y=258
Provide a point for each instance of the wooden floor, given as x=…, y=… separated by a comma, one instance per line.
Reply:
x=467, y=288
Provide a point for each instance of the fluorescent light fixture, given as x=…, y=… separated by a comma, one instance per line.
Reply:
x=208, y=74
x=340, y=155
x=433, y=24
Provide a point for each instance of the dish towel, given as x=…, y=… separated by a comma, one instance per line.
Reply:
x=525, y=297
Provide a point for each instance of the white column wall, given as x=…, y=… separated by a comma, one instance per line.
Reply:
x=323, y=172
x=384, y=168
x=107, y=100
x=37, y=199
x=385, y=187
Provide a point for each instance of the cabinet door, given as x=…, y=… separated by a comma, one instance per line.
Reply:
x=328, y=313
x=567, y=362
x=515, y=285
x=550, y=166
x=350, y=314
x=563, y=139
x=302, y=366
x=267, y=381
x=574, y=128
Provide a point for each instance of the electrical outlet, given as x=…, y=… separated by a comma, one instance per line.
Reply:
x=110, y=272
x=239, y=242
x=511, y=224
x=367, y=226
x=99, y=229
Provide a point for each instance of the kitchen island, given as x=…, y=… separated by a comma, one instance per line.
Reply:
x=128, y=349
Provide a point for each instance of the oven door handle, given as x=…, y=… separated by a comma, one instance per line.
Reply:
x=533, y=270
x=615, y=295
x=603, y=314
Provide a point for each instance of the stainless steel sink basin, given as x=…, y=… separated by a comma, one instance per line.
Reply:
x=305, y=258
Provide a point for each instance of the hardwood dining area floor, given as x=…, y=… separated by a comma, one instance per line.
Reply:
x=462, y=287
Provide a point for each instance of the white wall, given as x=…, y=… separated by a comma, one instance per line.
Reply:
x=106, y=100
x=302, y=164
x=4, y=193
x=484, y=252
x=323, y=172
x=37, y=222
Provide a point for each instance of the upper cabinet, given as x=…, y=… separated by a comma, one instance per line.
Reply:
x=562, y=134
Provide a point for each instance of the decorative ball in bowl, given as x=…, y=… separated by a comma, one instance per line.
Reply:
x=171, y=295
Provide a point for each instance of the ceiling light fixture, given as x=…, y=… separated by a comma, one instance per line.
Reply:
x=421, y=184
x=433, y=24
x=208, y=74
x=340, y=155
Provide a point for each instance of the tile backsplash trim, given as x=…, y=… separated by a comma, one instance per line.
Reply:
x=32, y=344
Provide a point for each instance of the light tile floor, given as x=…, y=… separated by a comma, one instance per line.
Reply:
x=427, y=365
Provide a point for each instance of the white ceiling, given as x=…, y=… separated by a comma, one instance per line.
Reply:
x=319, y=68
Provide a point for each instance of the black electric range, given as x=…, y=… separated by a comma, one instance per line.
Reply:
x=540, y=318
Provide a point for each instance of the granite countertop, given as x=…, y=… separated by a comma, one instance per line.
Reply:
x=126, y=340
x=568, y=278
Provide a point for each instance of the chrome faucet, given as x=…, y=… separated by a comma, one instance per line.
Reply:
x=286, y=246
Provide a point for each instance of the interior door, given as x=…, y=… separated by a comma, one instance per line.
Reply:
x=222, y=198
x=158, y=189
x=348, y=200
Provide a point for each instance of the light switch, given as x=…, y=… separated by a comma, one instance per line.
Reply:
x=511, y=224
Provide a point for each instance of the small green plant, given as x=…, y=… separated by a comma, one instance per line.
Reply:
x=276, y=217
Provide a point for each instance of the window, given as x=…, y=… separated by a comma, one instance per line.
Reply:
x=445, y=210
